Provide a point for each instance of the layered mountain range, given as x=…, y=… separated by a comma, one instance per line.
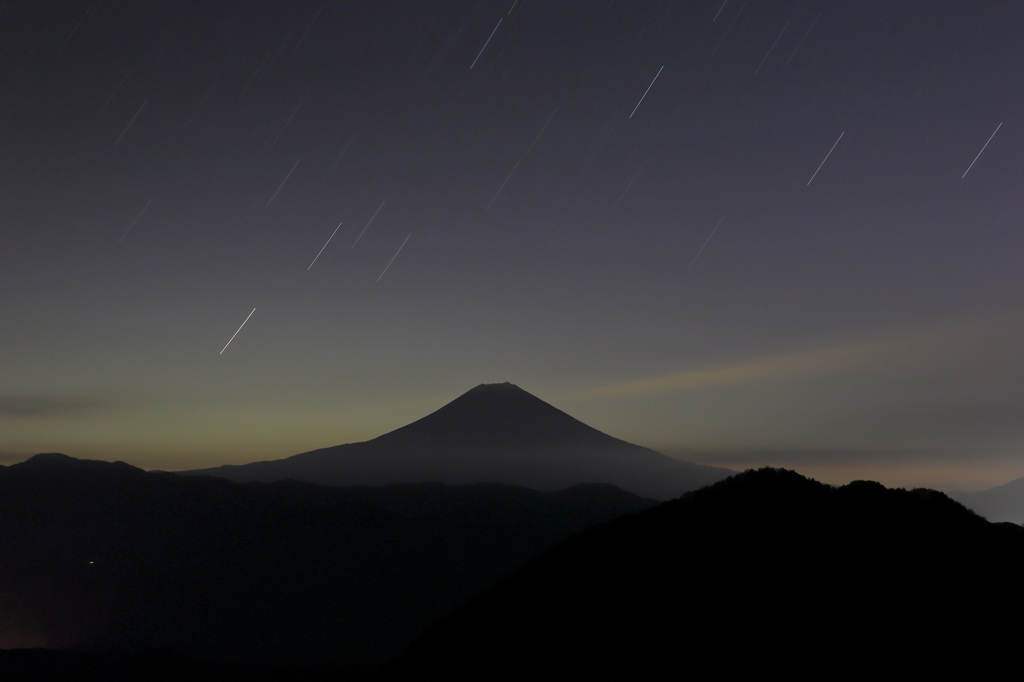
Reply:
x=155, y=575
x=99, y=555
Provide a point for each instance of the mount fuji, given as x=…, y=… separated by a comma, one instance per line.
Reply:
x=494, y=433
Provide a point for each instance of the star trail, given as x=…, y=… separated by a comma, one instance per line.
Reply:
x=716, y=204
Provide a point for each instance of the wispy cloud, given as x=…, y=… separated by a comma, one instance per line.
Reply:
x=947, y=349
x=53, y=406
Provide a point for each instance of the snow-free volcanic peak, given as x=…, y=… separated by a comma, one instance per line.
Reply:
x=493, y=433
x=492, y=415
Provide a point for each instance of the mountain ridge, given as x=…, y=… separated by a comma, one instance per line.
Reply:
x=101, y=555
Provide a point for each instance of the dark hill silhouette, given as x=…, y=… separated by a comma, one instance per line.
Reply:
x=495, y=433
x=766, y=572
x=100, y=555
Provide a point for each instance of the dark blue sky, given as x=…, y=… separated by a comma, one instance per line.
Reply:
x=782, y=232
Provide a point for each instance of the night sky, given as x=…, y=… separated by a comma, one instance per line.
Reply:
x=741, y=232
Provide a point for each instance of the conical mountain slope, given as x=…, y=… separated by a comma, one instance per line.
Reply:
x=495, y=433
x=499, y=412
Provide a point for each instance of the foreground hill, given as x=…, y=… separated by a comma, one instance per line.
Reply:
x=766, y=572
x=101, y=555
x=495, y=433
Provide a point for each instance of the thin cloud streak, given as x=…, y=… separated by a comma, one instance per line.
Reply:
x=901, y=348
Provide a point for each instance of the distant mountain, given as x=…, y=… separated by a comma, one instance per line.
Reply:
x=1003, y=503
x=766, y=573
x=495, y=433
x=106, y=556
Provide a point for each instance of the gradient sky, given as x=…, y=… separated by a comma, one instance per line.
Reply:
x=741, y=232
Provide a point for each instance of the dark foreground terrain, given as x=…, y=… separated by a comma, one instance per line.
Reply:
x=103, y=556
x=765, y=572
